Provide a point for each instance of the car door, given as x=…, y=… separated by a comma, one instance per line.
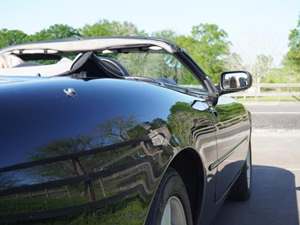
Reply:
x=232, y=129
x=232, y=141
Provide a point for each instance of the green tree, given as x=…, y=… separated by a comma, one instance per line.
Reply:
x=263, y=64
x=209, y=46
x=110, y=28
x=168, y=35
x=207, y=43
x=293, y=56
x=281, y=75
x=56, y=31
x=12, y=37
x=234, y=62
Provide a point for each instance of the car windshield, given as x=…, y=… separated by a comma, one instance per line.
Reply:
x=159, y=66
x=156, y=65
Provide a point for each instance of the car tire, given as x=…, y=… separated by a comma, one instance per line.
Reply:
x=171, y=204
x=241, y=190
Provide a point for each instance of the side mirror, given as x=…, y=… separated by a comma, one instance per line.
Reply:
x=234, y=81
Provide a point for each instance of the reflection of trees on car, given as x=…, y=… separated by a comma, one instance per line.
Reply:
x=61, y=147
x=228, y=112
x=7, y=181
x=187, y=123
x=115, y=130
x=103, y=171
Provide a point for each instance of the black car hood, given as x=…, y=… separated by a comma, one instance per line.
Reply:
x=38, y=111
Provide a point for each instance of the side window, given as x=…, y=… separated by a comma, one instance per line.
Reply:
x=160, y=66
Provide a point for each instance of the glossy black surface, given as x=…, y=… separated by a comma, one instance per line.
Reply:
x=97, y=156
x=62, y=155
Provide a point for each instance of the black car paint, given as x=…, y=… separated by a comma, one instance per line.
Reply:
x=97, y=157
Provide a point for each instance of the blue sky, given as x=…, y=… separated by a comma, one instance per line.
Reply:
x=254, y=26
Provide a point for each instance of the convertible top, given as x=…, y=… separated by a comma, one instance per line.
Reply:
x=89, y=44
x=17, y=59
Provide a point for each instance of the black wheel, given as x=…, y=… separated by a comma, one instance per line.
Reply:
x=171, y=205
x=241, y=190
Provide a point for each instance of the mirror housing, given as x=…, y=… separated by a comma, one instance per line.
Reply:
x=234, y=81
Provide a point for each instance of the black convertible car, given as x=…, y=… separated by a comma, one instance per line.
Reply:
x=118, y=131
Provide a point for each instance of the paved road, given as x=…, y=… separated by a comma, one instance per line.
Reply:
x=275, y=115
x=276, y=159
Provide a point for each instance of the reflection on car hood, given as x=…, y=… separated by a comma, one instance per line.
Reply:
x=15, y=79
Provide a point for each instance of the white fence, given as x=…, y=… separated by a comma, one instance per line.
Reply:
x=269, y=89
